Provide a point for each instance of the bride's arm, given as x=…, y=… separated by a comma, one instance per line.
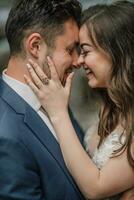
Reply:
x=116, y=176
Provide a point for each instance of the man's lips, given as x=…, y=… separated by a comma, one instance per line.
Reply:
x=68, y=71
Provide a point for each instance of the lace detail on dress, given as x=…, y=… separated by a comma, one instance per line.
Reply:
x=113, y=142
x=105, y=151
x=101, y=156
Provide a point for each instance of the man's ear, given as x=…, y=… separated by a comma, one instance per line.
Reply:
x=33, y=44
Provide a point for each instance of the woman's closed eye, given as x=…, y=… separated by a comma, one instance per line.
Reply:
x=84, y=53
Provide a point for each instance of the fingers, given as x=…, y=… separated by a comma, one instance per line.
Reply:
x=38, y=71
x=34, y=77
x=69, y=82
x=31, y=85
x=39, y=78
x=41, y=74
x=54, y=74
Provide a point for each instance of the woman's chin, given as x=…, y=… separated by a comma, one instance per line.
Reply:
x=92, y=84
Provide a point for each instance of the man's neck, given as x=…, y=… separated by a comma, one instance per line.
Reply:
x=17, y=68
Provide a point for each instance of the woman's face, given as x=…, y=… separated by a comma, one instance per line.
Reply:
x=96, y=62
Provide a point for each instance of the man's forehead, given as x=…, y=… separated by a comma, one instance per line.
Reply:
x=67, y=40
x=71, y=30
x=70, y=36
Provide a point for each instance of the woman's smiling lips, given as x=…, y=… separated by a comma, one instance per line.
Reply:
x=87, y=70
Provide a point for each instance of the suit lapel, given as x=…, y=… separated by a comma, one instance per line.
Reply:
x=38, y=127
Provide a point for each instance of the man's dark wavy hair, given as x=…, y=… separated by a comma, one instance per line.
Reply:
x=46, y=17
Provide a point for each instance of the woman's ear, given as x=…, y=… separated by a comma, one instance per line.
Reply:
x=33, y=44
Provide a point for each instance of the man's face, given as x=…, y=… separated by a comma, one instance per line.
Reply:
x=64, y=53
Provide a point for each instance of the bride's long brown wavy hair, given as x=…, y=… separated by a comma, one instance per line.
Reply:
x=111, y=27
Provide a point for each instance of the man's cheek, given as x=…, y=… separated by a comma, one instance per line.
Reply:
x=46, y=69
x=59, y=71
x=64, y=78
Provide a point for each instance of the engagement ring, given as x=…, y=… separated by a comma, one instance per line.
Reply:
x=45, y=81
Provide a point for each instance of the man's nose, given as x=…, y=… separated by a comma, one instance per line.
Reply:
x=75, y=60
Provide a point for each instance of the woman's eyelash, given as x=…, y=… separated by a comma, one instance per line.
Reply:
x=84, y=52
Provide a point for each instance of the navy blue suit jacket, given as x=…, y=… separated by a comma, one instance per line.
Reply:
x=31, y=162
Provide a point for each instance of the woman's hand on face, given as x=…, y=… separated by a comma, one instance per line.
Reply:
x=52, y=95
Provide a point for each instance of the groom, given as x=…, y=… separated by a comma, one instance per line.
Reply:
x=31, y=163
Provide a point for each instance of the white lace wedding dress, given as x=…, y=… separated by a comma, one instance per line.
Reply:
x=101, y=156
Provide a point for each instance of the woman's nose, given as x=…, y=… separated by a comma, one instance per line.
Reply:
x=80, y=60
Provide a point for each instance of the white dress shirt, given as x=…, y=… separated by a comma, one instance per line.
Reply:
x=28, y=95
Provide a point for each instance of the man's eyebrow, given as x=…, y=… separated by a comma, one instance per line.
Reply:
x=85, y=44
x=73, y=45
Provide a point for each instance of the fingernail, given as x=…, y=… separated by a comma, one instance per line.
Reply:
x=25, y=76
x=28, y=66
x=48, y=58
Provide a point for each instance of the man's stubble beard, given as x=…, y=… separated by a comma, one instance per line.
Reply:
x=46, y=68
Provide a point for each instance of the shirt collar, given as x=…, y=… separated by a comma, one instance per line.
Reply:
x=23, y=90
